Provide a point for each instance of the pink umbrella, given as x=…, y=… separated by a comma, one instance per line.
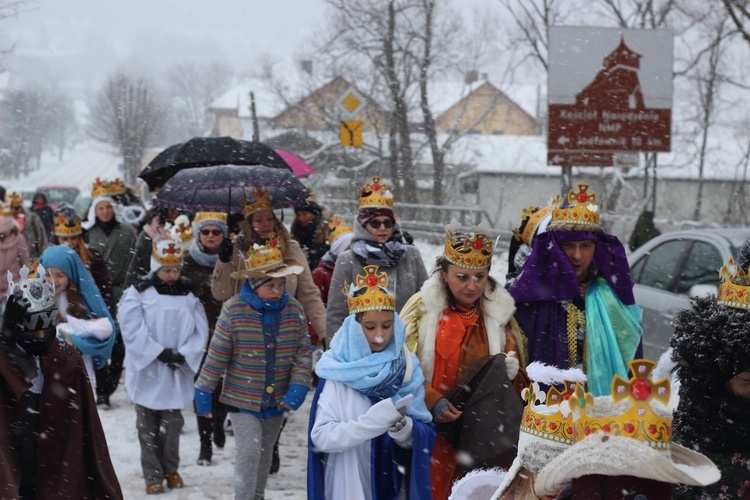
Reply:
x=300, y=168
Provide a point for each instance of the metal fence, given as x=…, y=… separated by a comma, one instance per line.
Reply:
x=427, y=222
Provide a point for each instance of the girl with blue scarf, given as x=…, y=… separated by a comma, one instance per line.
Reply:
x=370, y=433
x=84, y=319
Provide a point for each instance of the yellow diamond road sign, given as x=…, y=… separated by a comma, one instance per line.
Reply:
x=351, y=102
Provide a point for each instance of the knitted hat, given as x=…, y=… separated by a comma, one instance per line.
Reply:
x=258, y=282
x=310, y=205
x=218, y=219
x=626, y=434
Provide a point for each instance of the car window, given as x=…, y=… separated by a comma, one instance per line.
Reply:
x=701, y=267
x=657, y=268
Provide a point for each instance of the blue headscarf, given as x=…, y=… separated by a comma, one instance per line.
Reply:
x=68, y=261
x=351, y=361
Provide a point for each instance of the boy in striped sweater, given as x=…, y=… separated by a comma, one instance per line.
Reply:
x=261, y=347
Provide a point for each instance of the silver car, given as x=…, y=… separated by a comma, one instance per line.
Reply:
x=670, y=269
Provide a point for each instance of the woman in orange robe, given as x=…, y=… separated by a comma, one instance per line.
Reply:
x=460, y=315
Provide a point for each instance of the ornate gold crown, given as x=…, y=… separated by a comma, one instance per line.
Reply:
x=554, y=425
x=375, y=194
x=67, y=223
x=265, y=257
x=14, y=198
x=734, y=290
x=369, y=292
x=581, y=213
x=639, y=421
x=181, y=231
x=337, y=227
x=33, y=265
x=167, y=252
x=474, y=253
x=107, y=188
x=5, y=210
x=210, y=216
x=534, y=216
x=261, y=201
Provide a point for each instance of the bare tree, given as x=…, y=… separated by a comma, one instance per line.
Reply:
x=739, y=13
x=708, y=78
x=126, y=114
x=194, y=87
x=26, y=131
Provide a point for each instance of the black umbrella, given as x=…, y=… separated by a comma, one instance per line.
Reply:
x=205, y=152
x=222, y=188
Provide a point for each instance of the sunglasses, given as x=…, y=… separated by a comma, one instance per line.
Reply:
x=375, y=224
x=214, y=232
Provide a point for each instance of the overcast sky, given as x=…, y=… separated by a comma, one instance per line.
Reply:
x=93, y=37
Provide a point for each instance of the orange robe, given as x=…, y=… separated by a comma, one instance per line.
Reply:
x=458, y=345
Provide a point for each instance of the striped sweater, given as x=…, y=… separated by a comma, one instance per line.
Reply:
x=237, y=353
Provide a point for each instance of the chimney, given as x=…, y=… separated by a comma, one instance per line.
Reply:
x=471, y=76
x=307, y=66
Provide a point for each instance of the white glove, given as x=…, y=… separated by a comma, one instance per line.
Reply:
x=511, y=365
x=401, y=432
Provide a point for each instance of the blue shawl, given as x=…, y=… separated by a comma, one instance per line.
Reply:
x=68, y=261
x=350, y=361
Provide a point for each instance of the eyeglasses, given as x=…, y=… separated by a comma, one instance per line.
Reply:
x=375, y=224
x=214, y=232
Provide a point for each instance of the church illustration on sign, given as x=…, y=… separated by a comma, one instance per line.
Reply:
x=610, y=114
x=616, y=85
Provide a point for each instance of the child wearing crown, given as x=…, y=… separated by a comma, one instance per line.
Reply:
x=85, y=320
x=51, y=439
x=369, y=426
x=165, y=330
x=262, y=350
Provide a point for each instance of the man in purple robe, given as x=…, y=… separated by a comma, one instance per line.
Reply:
x=574, y=296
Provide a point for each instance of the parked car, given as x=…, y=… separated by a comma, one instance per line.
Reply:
x=57, y=194
x=670, y=269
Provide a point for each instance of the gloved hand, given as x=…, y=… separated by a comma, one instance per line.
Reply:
x=172, y=358
x=15, y=310
x=226, y=248
x=398, y=425
x=511, y=365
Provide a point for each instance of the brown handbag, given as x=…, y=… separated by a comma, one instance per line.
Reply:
x=487, y=430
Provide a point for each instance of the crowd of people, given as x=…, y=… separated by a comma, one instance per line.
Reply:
x=426, y=382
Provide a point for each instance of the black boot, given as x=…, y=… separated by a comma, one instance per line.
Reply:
x=220, y=438
x=205, y=428
x=275, y=462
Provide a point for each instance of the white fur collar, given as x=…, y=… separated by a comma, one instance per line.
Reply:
x=497, y=309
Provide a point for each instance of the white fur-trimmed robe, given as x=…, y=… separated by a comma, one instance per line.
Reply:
x=424, y=309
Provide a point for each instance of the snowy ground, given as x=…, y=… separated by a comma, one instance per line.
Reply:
x=215, y=482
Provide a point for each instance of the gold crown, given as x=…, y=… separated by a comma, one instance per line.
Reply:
x=14, y=198
x=311, y=196
x=265, y=257
x=369, y=292
x=337, y=227
x=734, y=289
x=639, y=421
x=67, y=223
x=555, y=425
x=33, y=265
x=210, y=216
x=581, y=213
x=181, y=231
x=5, y=210
x=167, y=252
x=375, y=194
x=475, y=252
x=107, y=188
x=262, y=201
x=533, y=217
